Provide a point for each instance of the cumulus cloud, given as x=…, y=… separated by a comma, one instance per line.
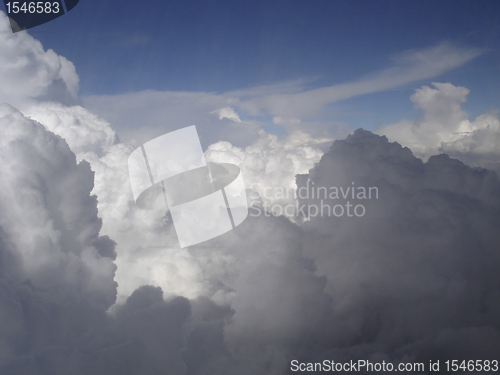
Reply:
x=412, y=279
x=29, y=73
x=443, y=126
x=148, y=251
x=270, y=163
x=57, y=271
x=50, y=227
x=478, y=146
x=84, y=131
x=263, y=294
x=54, y=218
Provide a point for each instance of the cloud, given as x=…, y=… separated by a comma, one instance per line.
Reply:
x=263, y=294
x=406, y=278
x=409, y=66
x=270, y=163
x=227, y=112
x=139, y=117
x=57, y=271
x=443, y=126
x=50, y=230
x=84, y=131
x=291, y=104
x=30, y=73
x=413, y=279
x=478, y=146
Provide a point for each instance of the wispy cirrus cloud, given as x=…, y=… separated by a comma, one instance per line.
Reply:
x=298, y=108
x=409, y=66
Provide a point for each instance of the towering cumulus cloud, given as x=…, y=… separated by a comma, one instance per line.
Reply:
x=90, y=284
x=28, y=72
x=414, y=278
x=56, y=271
x=443, y=126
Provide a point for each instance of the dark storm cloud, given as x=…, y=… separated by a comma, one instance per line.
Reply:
x=417, y=276
x=56, y=275
x=413, y=279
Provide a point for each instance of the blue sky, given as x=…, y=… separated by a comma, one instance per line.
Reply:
x=218, y=46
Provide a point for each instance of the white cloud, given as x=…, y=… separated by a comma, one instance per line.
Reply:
x=84, y=131
x=290, y=104
x=139, y=117
x=427, y=234
x=262, y=293
x=270, y=163
x=56, y=267
x=281, y=289
x=410, y=66
x=443, y=126
x=227, y=112
x=415, y=279
x=28, y=72
x=47, y=210
x=479, y=144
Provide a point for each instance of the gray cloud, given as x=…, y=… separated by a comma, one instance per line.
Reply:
x=414, y=279
x=56, y=271
x=411, y=281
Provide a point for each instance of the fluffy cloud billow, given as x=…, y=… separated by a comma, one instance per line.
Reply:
x=90, y=284
x=412, y=278
x=275, y=291
x=57, y=271
x=443, y=127
x=30, y=73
